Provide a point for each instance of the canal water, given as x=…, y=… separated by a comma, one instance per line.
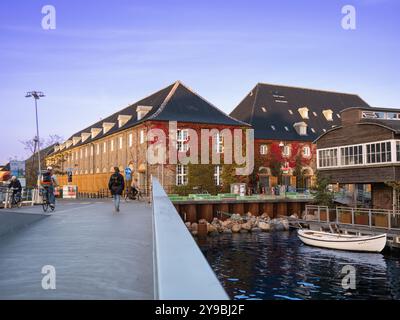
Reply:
x=278, y=265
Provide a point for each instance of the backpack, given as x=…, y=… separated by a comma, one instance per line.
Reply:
x=115, y=181
x=46, y=178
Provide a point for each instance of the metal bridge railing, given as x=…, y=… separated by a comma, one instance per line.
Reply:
x=181, y=271
x=377, y=218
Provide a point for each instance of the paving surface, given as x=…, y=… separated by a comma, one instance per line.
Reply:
x=96, y=253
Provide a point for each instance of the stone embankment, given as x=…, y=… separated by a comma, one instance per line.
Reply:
x=239, y=224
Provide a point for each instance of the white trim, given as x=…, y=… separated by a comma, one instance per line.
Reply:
x=364, y=153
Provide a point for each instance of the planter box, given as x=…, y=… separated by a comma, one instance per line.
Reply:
x=345, y=218
x=381, y=221
x=361, y=219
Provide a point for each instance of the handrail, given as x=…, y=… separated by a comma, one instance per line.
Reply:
x=181, y=271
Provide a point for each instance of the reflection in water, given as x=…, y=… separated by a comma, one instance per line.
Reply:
x=278, y=266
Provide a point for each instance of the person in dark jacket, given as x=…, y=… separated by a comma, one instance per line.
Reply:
x=116, y=186
x=15, y=186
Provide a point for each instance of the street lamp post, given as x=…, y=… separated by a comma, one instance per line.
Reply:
x=36, y=95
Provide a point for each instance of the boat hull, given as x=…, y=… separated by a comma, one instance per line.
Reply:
x=348, y=243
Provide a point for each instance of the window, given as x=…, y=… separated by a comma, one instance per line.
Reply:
x=263, y=109
x=217, y=175
x=290, y=111
x=219, y=143
x=351, y=155
x=313, y=130
x=98, y=149
x=130, y=139
x=86, y=152
x=286, y=151
x=327, y=158
x=373, y=115
x=141, y=136
x=303, y=112
x=398, y=150
x=91, y=150
x=72, y=156
x=315, y=114
x=104, y=147
x=263, y=149
x=81, y=153
x=181, y=175
x=120, y=142
x=286, y=128
x=112, y=145
x=328, y=113
x=181, y=139
x=273, y=127
x=306, y=151
x=379, y=152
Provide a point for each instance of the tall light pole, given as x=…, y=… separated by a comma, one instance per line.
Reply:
x=36, y=95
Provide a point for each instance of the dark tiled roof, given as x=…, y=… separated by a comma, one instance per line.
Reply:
x=278, y=100
x=173, y=103
x=390, y=124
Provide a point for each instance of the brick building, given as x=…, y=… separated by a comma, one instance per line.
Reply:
x=286, y=121
x=120, y=140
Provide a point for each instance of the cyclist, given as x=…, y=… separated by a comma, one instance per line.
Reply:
x=15, y=186
x=49, y=182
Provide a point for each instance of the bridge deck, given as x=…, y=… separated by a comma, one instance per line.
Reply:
x=96, y=254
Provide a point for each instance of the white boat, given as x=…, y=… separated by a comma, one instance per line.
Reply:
x=343, y=241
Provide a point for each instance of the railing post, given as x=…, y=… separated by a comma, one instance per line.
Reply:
x=337, y=215
x=352, y=215
x=389, y=220
x=319, y=214
x=327, y=214
x=370, y=218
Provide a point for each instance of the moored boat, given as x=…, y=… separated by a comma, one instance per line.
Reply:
x=343, y=241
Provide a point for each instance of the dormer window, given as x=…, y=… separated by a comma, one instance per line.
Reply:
x=328, y=113
x=303, y=112
x=123, y=119
x=301, y=128
x=75, y=140
x=68, y=143
x=95, y=132
x=141, y=111
x=107, y=126
x=85, y=136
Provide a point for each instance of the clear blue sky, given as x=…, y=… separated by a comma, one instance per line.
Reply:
x=104, y=55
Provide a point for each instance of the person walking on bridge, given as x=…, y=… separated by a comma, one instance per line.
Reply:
x=116, y=186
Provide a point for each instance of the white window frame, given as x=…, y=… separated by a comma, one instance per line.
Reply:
x=181, y=175
x=98, y=148
x=217, y=175
x=104, y=147
x=120, y=142
x=286, y=151
x=307, y=153
x=393, y=155
x=182, y=136
x=263, y=149
x=141, y=136
x=112, y=145
x=130, y=139
x=219, y=142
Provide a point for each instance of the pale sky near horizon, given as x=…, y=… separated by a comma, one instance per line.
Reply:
x=104, y=55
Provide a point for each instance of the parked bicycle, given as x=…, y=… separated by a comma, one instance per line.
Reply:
x=134, y=194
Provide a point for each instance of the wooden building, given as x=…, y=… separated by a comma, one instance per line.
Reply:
x=364, y=150
x=286, y=121
x=121, y=140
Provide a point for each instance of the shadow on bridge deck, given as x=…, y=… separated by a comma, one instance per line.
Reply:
x=96, y=254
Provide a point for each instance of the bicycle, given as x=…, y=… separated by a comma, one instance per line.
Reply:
x=16, y=199
x=46, y=200
x=134, y=196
